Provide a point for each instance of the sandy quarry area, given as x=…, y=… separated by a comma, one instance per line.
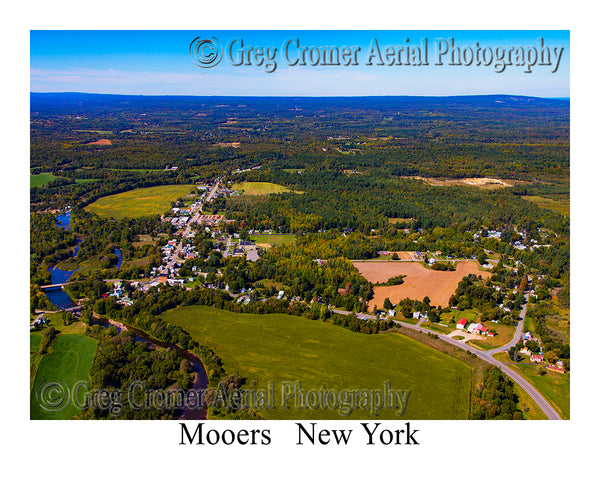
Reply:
x=483, y=182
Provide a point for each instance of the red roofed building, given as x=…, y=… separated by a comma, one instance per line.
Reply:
x=462, y=323
x=537, y=358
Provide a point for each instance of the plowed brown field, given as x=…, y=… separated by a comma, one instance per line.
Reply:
x=419, y=282
x=102, y=141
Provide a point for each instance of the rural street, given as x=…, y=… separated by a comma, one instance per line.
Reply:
x=518, y=332
x=227, y=247
x=213, y=192
x=196, y=212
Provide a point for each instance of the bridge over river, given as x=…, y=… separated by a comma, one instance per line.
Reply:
x=54, y=285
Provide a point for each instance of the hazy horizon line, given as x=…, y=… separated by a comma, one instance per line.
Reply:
x=304, y=96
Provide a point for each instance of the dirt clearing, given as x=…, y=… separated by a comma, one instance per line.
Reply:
x=102, y=141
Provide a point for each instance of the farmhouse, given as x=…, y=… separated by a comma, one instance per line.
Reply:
x=477, y=329
x=474, y=328
x=537, y=358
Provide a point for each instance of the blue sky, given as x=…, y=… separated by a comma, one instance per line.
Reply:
x=158, y=62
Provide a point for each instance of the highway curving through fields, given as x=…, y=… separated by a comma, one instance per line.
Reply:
x=487, y=356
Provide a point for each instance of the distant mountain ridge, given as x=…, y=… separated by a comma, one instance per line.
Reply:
x=71, y=101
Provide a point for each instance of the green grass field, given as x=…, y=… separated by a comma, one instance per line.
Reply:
x=259, y=188
x=555, y=387
x=559, y=207
x=282, y=348
x=136, y=169
x=274, y=240
x=40, y=179
x=139, y=202
x=437, y=328
x=68, y=363
x=34, y=342
x=455, y=315
x=100, y=132
x=86, y=180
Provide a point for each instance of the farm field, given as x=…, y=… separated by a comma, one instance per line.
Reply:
x=559, y=207
x=101, y=142
x=418, y=283
x=259, y=188
x=139, y=202
x=69, y=362
x=86, y=180
x=283, y=348
x=273, y=240
x=40, y=179
x=99, y=132
x=136, y=169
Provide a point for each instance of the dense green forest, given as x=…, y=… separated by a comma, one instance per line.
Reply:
x=496, y=398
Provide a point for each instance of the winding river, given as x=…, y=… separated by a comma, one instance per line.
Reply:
x=57, y=296
x=200, y=379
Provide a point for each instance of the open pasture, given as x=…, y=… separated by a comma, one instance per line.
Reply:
x=68, y=363
x=283, y=348
x=259, y=188
x=139, y=202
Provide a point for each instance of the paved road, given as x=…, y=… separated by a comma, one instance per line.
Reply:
x=212, y=192
x=227, y=247
x=518, y=332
